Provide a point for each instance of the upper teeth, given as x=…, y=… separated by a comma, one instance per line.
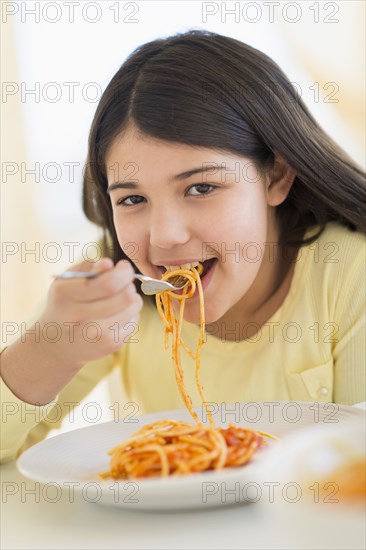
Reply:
x=183, y=266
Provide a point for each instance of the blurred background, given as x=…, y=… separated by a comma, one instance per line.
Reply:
x=57, y=58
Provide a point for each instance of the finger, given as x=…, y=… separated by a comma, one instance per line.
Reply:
x=118, y=328
x=110, y=306
x=104, y=264
x=108, y=284
x=101, y=265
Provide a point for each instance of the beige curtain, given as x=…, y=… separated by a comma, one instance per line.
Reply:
x=21, y=286
x=23, y=282
x=322, y=58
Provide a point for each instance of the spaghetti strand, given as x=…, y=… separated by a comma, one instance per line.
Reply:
x=170, y=447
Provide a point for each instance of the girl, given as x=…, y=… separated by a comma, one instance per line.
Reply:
x=201, y=150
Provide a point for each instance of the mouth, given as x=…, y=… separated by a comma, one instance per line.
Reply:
x=207, y=266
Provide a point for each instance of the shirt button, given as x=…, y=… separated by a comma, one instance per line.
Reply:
x=323, y=391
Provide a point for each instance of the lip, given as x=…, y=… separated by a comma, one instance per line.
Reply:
x=177, y=263
x=162, y=263
x=205, y=281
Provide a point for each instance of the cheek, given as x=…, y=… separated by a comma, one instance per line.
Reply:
x=244, y=222
x=242, y=248
x=130, y=238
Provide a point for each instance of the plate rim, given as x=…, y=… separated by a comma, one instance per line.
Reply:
x=169, y=483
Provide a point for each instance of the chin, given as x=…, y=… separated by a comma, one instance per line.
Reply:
x=193, y=315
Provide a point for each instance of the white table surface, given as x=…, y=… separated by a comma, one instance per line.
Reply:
x=26, y=523
x=30, y=521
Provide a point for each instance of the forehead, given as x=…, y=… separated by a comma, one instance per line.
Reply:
x=132, y=146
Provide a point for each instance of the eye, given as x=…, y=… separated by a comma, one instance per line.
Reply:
x=132, y=200
x=200, y=189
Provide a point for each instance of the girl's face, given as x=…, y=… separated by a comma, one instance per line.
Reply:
x=174, y=205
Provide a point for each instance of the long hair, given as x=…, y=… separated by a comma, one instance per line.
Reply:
x=204, y=89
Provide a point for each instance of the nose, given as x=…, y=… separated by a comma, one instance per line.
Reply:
x=168, y=228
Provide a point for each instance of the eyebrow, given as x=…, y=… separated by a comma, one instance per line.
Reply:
x=179, y=177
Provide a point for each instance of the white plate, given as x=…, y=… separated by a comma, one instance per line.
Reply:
x=71, y=461
x=306, y=501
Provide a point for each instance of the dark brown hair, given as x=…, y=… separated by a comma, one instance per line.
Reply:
x=204, y=89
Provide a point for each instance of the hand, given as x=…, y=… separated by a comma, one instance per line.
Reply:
x=93, y=317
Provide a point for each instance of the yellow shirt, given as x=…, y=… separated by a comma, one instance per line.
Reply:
x=311, y=349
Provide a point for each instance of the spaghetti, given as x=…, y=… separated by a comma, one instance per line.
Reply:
x=170, y=447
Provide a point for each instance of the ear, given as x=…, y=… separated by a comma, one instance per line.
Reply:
x=281, y=178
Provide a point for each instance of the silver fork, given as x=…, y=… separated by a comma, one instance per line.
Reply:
x=149, y=285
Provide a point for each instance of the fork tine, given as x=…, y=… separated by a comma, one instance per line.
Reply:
x=178, y=280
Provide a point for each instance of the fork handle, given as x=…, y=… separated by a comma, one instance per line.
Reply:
x=76, y=275
x=87, y=275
